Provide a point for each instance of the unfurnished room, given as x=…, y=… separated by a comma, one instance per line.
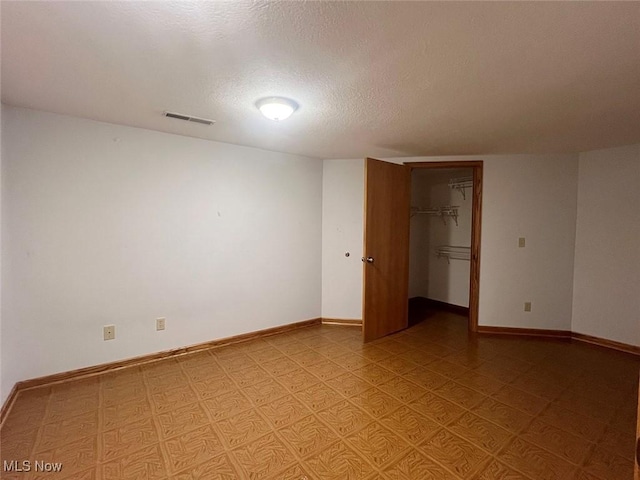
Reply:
x=293, y=240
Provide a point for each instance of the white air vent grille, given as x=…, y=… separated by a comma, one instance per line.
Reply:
x=187, y=118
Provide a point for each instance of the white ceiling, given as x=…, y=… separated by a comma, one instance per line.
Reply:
x=372, y=78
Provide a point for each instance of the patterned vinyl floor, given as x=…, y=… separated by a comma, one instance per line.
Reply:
x=428, y=403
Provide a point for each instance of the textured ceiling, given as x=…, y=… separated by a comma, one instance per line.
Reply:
x=372, y=78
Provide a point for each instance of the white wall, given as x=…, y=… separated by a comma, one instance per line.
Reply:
x=606, y=295
x=342, y=216
x=105, y=224
x=429, y=276
x=531, y=196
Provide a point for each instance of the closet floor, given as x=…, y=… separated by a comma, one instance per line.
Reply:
x=432, y=402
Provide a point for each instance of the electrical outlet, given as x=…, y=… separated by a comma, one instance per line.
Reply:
x=521, y=242
x=109, y=332
x=527, y=306
x=160, y=323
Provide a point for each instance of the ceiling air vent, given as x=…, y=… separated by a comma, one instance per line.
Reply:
x=187, y=118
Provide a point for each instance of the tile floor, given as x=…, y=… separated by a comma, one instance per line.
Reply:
x=428, y=403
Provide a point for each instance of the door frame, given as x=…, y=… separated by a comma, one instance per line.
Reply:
x=476, y=224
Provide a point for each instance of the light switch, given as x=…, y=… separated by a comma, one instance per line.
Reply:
x=521, y=242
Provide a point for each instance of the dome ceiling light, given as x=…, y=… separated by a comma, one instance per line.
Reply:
x=276, y=108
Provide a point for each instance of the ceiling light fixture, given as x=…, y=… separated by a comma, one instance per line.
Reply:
x=276, y=108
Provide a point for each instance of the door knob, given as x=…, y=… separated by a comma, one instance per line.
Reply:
x=368, y=259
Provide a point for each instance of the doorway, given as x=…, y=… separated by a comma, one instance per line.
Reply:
x=465, y=181
x=386, y=238
x=440, y=242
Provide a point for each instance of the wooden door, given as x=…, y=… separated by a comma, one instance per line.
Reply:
x=386, y=248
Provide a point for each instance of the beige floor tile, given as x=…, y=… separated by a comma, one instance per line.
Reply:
x=279, y=366
x=398, y=365
x=318, y=396
x=242, y=428
x=425, y=378
x=455, y=453
x=581, y=425
x=535, y=462
x=338, y=461
x=505, y=416
x=499, y=471
x=211, y=387
x=345, y=418
x=217, y=468
x=298, y=380
x=308, y=358
x=307, y=436
x=181, y=420
x=562, y=443
x=378, y=445
x=373, y=353
x=160, y=383
x=226, y=405
x=266, y=354
x=328, y=370
x=249, y=375
x=18, y=444
x=417, y=465
x=480, y=383
x=582, y=475
x=68, y=430
x=409, y=424
x=374, y=373
x=332, y=350
x=463, y=396
x=75, y=457
x=481, y=432
x=607, y=465
x=235, y=363
x=431, y=402
x=402, y=389
x=375, y=402
x=115, y=393
x=127, y=439
x=353, y=360
x=437, y=408
x=448, y=369
x=146, y=463
x=537, y=384
x=173, y=398
x=521, y=400
x=418, y=356
x=264, y=391
x=192, y=448
x=283, y=411
x=390, y=345
x=617, y=442
x=292, y=348
x=349, y=384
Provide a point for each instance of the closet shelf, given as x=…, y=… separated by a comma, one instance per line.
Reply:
x=442, y=212
x=461, y=184
x=452, y=252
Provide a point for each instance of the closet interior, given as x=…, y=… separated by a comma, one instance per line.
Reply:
x=440, y=241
